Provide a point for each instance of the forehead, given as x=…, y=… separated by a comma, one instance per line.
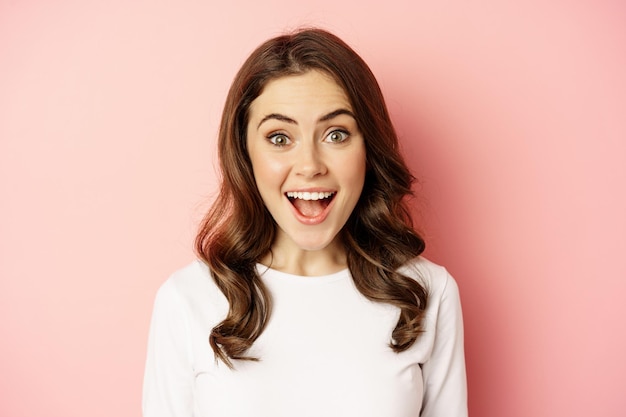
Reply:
x=313, y=90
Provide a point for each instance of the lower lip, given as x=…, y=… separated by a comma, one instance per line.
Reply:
x=312, y=221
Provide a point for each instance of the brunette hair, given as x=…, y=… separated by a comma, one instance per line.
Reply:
x=238, y=230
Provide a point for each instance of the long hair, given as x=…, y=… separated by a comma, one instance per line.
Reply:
x=238, y=230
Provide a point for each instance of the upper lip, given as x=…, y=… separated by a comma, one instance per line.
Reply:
x=311, y=190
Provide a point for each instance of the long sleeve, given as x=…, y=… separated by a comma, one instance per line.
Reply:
x=299, y=373
x=168, y=379
x=445, y=386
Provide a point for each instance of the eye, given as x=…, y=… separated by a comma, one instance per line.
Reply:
x=279, y=139
x=337, y=136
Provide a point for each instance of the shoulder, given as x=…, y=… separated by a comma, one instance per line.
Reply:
x=435, y=278
x=191, y=286
x=191, y=276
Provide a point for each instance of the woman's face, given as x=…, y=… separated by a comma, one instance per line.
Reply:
x=308, y=158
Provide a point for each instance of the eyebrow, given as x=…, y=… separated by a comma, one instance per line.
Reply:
x=326, y=117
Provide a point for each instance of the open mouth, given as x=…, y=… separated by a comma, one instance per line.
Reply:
x=310, y=204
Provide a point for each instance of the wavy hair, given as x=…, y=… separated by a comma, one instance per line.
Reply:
x=238, y=230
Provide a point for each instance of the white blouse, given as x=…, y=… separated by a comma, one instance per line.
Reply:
x=325, y=351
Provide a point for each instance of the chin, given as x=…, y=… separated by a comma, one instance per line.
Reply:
x=312, y=246
x=314, y=243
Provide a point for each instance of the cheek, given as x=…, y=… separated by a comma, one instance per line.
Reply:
x=354, y=169
x=268, y=171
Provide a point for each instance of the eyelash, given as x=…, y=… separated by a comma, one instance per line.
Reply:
x=345, y=135
x=272, y=138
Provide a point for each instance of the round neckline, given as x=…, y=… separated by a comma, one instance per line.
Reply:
x=270, y=273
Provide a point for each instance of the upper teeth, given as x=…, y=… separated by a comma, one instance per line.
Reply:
x=308, y=196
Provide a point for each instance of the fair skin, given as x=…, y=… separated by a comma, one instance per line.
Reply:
x=308, y=159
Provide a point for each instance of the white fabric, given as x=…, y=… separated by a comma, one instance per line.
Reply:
x=324, y=352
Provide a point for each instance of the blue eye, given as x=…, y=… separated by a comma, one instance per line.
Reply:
x=337, y=136
x=279, y=139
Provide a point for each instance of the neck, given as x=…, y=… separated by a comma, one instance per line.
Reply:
x=297, y=261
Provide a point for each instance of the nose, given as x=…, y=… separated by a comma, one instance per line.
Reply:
x=309, y=162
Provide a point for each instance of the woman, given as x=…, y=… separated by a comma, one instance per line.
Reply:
x=310, y=298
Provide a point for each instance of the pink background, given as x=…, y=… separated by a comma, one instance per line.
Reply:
x=512, y=114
